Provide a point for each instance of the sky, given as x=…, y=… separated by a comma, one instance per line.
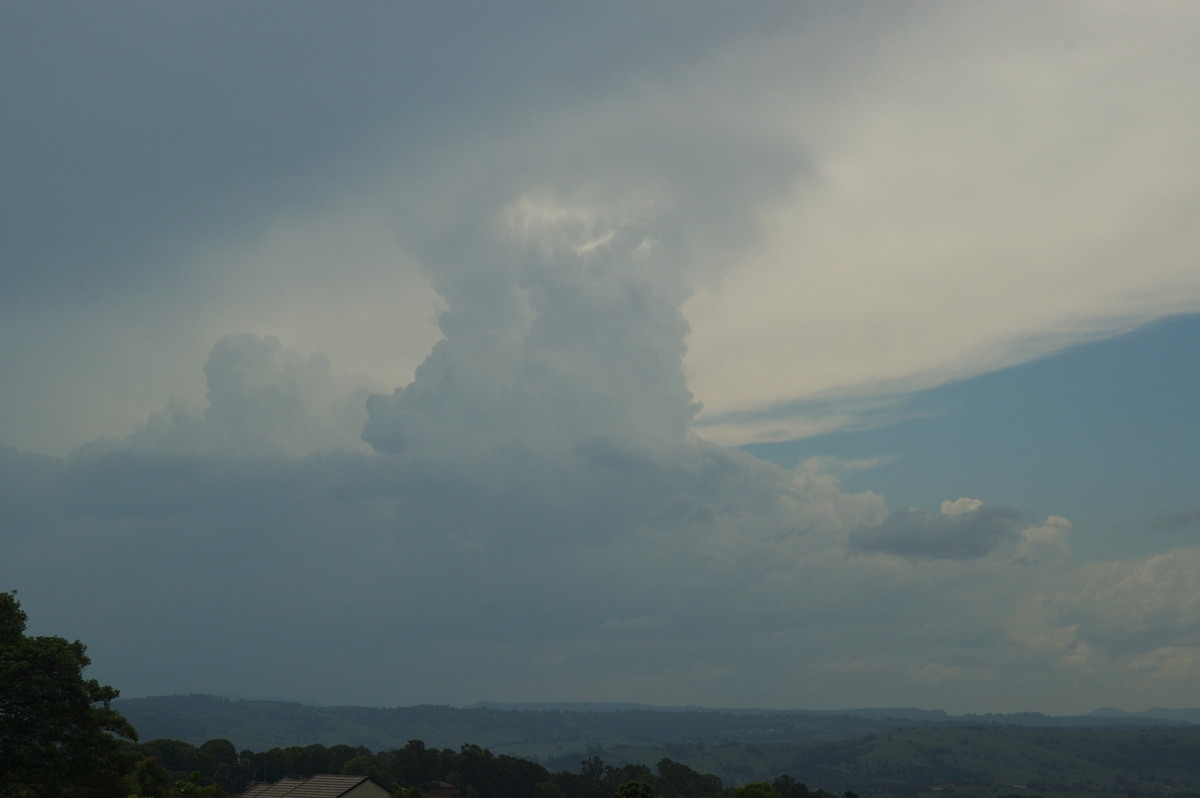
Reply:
x=787, y=355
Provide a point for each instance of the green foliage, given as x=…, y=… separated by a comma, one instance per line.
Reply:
x=592, y=768
x=368, y=765
x=677, y=780
x=407, y=792
x=634, y=789
x=190, y=789
x=59, y=736
x=150, y=778
x=756, y=789
x=548, y=789
x=788, y=787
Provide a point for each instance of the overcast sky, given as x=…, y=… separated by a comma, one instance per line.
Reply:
x=794, y=355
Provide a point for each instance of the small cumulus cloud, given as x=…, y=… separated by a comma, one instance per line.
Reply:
x=1136, y=615
x=965, y=529
x=1046, y=541
x=960, y=506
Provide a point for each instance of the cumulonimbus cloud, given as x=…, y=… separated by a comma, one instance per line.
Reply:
x=545, y=510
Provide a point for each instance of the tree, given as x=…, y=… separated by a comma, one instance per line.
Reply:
x=677, y=780
x=548, y=789
x=59, y=736
x=635, y=789
x=367, y=765
x=756, y=789
x=592, y=768
x=788, y=787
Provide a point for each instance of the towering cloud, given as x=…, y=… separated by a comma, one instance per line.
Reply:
x=262, y=399
x=571, y=330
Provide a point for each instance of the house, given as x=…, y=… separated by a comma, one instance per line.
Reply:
x=325, y=786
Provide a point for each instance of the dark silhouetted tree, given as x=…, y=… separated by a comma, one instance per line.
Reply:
x=59, y=736
x=592, y=768
x=788, y=787
x=677, y=780
x=756, y=789
x=634, y=789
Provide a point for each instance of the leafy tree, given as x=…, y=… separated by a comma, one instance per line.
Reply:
x=58, y=732
x=177, y=756
x=627, y=773
x=218, y=752
x=677, y=780
x=756, y=789
x=592, y=768
x=548, y=789
x=407, y=792
x=635, y=789
x=788, y=787
x=415, y=764
x=222, y=766
x=150, y=778
x=367, y=765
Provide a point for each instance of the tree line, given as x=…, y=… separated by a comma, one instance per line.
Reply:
x=168, y=768
x=61, y=738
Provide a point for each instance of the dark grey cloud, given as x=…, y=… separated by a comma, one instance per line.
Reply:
x=1178, y=521
x=134, y=131
x=200, y=570
x=963, y=535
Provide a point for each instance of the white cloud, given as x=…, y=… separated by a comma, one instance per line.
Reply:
x=1046, y=541
x=986, y=189
x=1110, y=620
x=960, y=506
x=262, y=399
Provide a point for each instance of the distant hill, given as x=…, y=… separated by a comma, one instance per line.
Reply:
x=883, y=752
x=1158, y=713
x=906, y=713
x=1008, y=761
x=546, y=731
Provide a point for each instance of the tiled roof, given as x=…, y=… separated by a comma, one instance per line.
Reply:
x=276, y=790
x=326, y=786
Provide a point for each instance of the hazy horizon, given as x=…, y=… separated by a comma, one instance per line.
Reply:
x=601, y=706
